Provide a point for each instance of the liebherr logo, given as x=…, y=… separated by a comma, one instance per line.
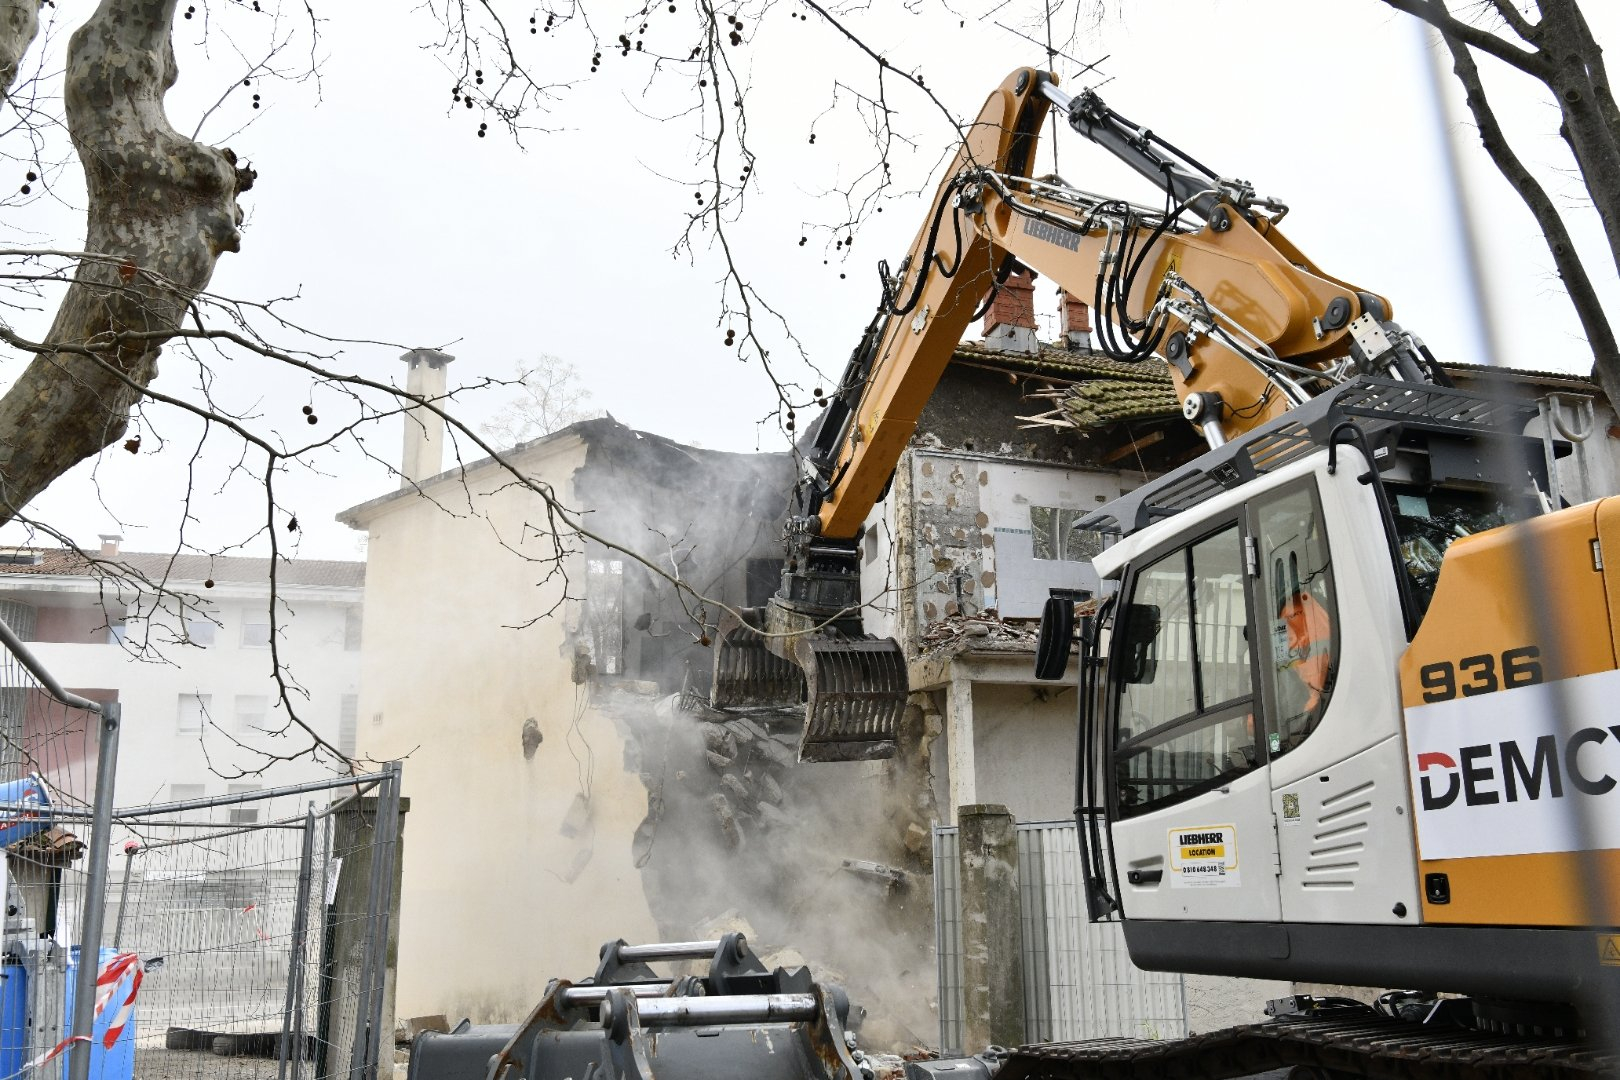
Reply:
x=1516, y=770
x=1190, y=838
x=1052, y=234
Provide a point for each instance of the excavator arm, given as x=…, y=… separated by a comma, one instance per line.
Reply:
x=1249, y=326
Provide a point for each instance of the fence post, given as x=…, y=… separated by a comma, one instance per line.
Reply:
x=95, y=895
x=292, y=1022
x=992, y=939
x=358, y=914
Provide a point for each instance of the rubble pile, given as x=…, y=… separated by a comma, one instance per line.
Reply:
x=752, y=762
x=986, y=630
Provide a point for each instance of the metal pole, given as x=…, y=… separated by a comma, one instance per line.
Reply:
x=389, y=830
x=324, y=977
x=292, y=1020
x=131, y=849
x=95, y=897
x=361, y=1044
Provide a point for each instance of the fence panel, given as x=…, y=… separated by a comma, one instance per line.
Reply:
x=1079, y=982
x=244, y=936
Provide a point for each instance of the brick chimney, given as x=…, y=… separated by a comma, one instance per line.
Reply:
x=1009, y=325
x=422, y=455
x=1076, y=321
x=109, y=545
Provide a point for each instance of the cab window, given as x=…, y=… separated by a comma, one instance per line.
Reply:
x=1297, y=614
x=1184, y=719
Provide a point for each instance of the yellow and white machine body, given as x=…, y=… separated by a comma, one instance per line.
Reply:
x=1350, y=728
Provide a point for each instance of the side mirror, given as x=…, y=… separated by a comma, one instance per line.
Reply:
x=1057, y=635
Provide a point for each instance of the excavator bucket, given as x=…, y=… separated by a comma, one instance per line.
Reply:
x=853, y=689
x=857, y=691
x=745, y=671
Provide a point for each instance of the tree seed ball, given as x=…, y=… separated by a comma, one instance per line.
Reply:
x=308, y=410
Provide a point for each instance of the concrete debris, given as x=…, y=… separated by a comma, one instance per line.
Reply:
x=719, y=741
x=892, y=876
x=958, y=633
x=719, y=761
x=916, y=838
x=735, y=785
x=730, y=921
x=727, y=818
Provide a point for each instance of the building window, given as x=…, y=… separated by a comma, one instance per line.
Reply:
x=1055, y=538
x=348, y=720
x=117, y=631
x=243, y=813
x=193, y=711
x=255, y=635
x=351, y=629
x=186, y=792
x=252, y=712
x=201, y=631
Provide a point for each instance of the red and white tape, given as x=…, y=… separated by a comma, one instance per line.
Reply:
x=112, y=973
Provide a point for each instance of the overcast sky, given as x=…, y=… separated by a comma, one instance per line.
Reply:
x=379, y=206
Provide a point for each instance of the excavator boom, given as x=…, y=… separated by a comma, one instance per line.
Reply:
x=1251, y=328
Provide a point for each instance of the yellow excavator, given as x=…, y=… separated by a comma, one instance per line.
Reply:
x=1344, y=700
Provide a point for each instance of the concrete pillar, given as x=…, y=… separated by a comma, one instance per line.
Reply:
x=959, y=740
x=992, y=929
x=422, y=454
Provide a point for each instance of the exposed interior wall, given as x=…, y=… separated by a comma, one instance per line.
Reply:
x=1024, y=749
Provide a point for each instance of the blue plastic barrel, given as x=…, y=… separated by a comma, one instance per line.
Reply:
x=13, y=1019
x=32, y=813
x=117, y=1063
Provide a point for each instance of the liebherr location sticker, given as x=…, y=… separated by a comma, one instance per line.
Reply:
x=1521, y=771
x=1203, y=857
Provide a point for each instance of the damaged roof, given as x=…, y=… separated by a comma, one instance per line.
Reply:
x=1096, y=391
x=1099, y=392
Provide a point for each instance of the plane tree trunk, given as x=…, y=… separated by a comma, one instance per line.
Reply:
x=162, y=209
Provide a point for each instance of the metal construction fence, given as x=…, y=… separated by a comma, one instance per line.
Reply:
x=241, y=936
x=1079, y=982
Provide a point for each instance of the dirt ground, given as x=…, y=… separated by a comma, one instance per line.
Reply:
x=156, y=1063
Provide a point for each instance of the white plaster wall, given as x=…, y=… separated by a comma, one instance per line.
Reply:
x=1024, y=746
x=496, y=899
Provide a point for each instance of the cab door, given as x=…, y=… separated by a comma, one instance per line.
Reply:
x=1192, y=831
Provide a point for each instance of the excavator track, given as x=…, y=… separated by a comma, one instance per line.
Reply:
x=1358, y=1046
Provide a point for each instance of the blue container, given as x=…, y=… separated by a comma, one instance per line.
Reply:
x=117, y=1063
x=13, y=1019
x=30, y=811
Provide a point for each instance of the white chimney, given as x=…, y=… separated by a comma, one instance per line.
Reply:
x=109, y=545
x=422, y=455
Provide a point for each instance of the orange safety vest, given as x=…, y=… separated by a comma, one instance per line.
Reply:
x=1310, y=642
